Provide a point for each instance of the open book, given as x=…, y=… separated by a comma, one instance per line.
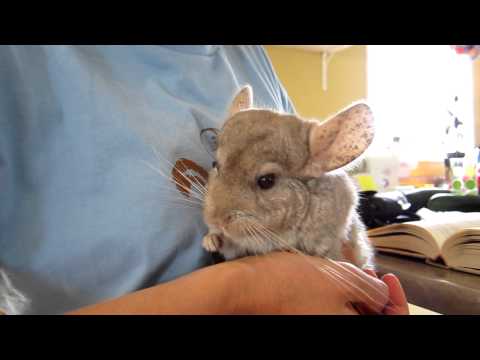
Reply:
x=450, y=239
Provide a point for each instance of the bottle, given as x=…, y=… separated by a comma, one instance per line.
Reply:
x=477, y=172
x=383, y=166
x=406, y=164
x=458, y=173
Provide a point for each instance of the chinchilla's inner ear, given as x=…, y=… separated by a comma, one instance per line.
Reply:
x=340, y=140
x=242, y=101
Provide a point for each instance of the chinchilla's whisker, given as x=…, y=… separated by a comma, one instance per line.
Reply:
x=348, y=285
x=249, y=231
x=256, y=236
x=335, y=267
x=264, y=234
x=187, y=195
x=278, y=239
x=269, y=237
x=175, y=191
x=181, y=201
x=173, y=196
x=328, y=269
x=253, y=237
x=358, y=277
x=176, y=195
x=194, y=207
x=191, y=193
x=199, y=187
x=160, y=172
x=196, y=184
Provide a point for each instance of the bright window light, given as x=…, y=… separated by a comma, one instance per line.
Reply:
x=411, y=88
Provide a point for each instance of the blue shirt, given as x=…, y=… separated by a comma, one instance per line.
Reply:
x=84, y=213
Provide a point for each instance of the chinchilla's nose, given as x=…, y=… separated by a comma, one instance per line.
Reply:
x=215, y=215
x=220, y=204
x=220, y=219
x=227, y=219
x=223, y=220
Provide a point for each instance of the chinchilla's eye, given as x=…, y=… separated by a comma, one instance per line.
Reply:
x=214, y=164
x=266, y=182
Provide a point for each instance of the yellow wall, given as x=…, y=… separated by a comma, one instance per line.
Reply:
x=301, y=74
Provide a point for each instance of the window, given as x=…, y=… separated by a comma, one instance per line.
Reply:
x=411, y=88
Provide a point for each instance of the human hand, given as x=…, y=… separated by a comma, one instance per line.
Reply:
x=286, y=283
x=397, y=304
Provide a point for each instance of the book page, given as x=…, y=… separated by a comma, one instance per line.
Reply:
x=446, y=225
x=401, y=252
x=435, y=227
x=441, y=225
x=405, y=243
x=463, y=249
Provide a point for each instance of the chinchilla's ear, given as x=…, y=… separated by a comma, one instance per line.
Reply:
x=339, y=140
x=242, y=101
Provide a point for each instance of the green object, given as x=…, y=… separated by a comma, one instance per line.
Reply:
x=457, y=185
x=470, y=184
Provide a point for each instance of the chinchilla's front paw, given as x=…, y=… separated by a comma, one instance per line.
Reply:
x=212, y=242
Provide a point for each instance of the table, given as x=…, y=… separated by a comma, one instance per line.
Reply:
x=445, y=291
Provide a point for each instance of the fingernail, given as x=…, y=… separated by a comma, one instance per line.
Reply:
x=390, y=275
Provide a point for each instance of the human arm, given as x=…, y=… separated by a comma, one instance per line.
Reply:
x=277, y=283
